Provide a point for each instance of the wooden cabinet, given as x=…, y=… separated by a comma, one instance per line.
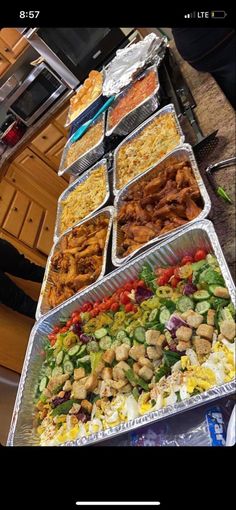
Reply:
x=7, y=193
x=55, y=153
x=45, y=240
x=12, y=43
x=4, y=63
x=47, y=138
x=31, y=224
x=16, y=214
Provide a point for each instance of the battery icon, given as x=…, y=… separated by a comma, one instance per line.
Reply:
x=218, y=14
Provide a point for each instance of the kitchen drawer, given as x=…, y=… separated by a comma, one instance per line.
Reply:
x=61, y=118
x=41, y=173
x=16, y=215
x=45, y=240
x=55, y=153
x=47, y=138
x=31, y=224
x=13, y=42
x=6, y=195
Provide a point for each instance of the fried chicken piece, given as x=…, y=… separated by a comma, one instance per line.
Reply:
x=163, y=211
x=140, y=234
x=192, y=210
x=132, y=248
x=154, y=185
x=132, y=211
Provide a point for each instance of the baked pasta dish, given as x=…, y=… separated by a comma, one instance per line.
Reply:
x=89, y=140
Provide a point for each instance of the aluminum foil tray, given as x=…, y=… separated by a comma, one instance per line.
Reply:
x=166, y=109
x=73, y=186
x=136, y=116
x=185, y=151
x=170, y=251
x=87, y=159
x=43, y=306
x=88, y=112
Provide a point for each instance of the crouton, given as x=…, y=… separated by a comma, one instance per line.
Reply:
x=56, y=382
x=221, y=292
x=87, y=406
x=161, y=340
x=78, y=391
x=206, y=331
x=126, y=389
x=91, y=382
x=192, y=318
x=182, y=346
x=211, y=317
x=61, y=394
x=67, y=386
x=145, y=362
x=119, y=370
x=184, y=334
x=118, y=384
x=136, y=367
x=79, y=373
x=75, y=408
x=122, y=352
x=202, y=346
x=154, y=352
x=107, y=373
x=227, y=328
x=109, y=356
x=99, y=367
x=146, y=373
x=106, y=390
x=151, y=336
x=136, y=351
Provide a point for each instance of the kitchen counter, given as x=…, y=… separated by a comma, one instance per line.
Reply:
x=34, y=129
x=214, y=112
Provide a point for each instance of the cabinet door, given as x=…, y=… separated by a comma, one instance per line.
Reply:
x=47, y=138
x=45, y=240
x=13, y=42
x=40, y=172
x=31, y=224
x=55, y=153
x=16, y=215
x=4, y=63
x=6, y=195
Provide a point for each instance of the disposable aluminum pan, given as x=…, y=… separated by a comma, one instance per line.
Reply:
x=136, y=116
x=85, y=160
x=183, y=152
x=73, y=186
x=200, y=235
x=43, y=306
x=88, y=112
x=167, y=109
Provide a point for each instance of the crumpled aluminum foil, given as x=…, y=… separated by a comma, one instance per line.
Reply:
x=131, y=60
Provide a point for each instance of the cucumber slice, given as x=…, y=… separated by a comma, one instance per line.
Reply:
x=201, y=295
x=120, y=335
x=153, y=315
x=73, y=350
x=82, y=350
x=48, y=371
x=184, y=303
x=59, y=358
x=164, y=315
x=68, y=367
x=57, y=371
x=92, y=346
x=105, y=343
x=139, y=334
x=100, y=333
x=202, y=307
x=43, y=384
x=85, y=359
x=126, y=340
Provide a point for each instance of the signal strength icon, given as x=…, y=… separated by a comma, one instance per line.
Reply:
x=190, y=15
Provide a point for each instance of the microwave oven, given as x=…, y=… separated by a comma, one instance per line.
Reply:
x=74, y=52
x=36, y=94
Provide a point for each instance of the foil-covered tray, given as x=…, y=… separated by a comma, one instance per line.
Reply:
x=43, y=306
x=85, y=160
x=136, y=116
x=88, y=112
x=73, y=186
x=186, y=152
x=202, y=235
x=166, y=109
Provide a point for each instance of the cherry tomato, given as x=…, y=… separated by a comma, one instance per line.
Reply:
x=129, y=286
x=96, y=304
x=161, y=280
x=124, y=298
x=103, y=307
x=174, y=281
x=141, y=283
x=75, y=313
x=64, y=329
x=86, y=307
x=200, y=255
x=69, y=323
x=186, y=260
x=115, y=307
x=56, y=329
x=94, y=312
x=52, y=338
x=168, y=272
x=129, y=307
x=75, y=319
